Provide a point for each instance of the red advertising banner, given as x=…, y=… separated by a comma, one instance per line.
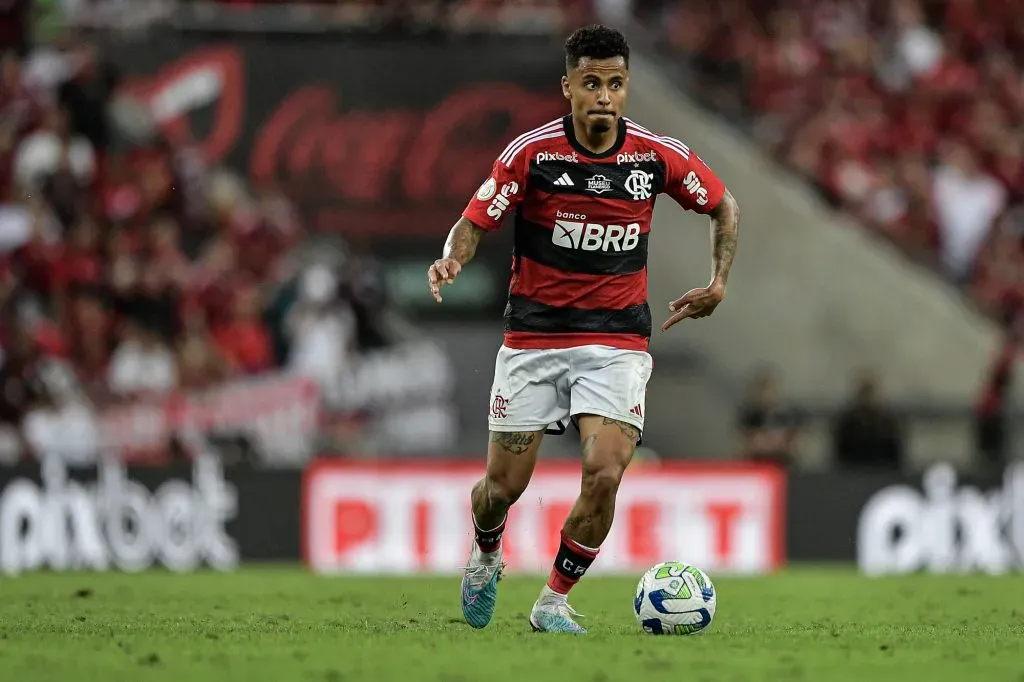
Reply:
x=414, y=517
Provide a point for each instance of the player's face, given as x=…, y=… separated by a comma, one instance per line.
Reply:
x=596, y=88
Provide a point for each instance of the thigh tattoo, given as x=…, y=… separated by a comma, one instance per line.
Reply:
x=514, y=443
x=628, y=430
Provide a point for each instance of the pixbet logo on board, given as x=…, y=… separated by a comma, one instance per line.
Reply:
x=944, y=528
x=114, y=522
x=412, y=518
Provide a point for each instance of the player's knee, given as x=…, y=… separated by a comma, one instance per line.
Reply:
x=504, y=489
x=603, y=466
x=602, y=482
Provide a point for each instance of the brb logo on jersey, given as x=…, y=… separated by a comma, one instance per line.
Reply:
x=692, y=184
x=570, y=234
x=501, y=202
x=638, y=184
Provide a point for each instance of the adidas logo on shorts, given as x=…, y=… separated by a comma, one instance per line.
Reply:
x=564, y=181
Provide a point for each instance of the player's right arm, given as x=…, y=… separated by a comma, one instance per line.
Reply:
x=459, y=249
x=501, y=191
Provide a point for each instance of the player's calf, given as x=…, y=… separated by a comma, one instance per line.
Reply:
x=510, y=461
x=592, y=515
x=491, y=498
x=608, y=446
x=511, y=457
x=590, y=520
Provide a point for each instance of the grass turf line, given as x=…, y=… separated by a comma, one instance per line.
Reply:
x=284, y=625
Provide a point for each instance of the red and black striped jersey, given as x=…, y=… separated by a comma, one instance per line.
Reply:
x=582, y=221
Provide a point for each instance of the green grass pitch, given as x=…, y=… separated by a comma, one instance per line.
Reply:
x=286, y=625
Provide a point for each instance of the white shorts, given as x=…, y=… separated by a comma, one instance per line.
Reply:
x=534, y=389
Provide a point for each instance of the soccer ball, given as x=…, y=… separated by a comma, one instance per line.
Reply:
x=674, y=599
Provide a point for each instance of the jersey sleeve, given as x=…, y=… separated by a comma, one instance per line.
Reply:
x=690, y=182
x=503, y=189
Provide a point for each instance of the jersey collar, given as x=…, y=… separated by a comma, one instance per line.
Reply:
x=570, y=134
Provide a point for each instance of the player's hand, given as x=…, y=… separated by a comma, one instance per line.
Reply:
x=695, y=303
x=443, y=271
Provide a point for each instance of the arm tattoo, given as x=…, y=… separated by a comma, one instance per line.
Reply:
x=628, y=430
x=514, y=443
x=462, y=241
x=725, y=227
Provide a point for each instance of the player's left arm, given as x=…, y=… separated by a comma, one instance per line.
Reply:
x=725, y=232
x=695, y=187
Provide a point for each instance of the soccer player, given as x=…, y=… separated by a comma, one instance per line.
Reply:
x=577, y=324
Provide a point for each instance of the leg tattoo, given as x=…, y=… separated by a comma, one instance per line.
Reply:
x=628, y=430
x=514, y=443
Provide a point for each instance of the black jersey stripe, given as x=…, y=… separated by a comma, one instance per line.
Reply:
x=526, y=315
x=606, y=181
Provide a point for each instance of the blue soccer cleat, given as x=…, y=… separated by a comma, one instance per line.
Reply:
x=480, y=586
x=552, y=613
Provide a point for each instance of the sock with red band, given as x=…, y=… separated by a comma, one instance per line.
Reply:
x=489, y=540
x=571, y=563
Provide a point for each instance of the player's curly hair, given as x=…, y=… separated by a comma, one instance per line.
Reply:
x=597, y=42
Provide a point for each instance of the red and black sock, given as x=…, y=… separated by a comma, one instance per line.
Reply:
x=571, y=563
x=489, y=540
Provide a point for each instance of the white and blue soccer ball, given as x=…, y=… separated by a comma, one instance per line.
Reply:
x=674, y=598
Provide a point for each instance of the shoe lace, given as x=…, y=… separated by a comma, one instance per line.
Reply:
x=479, y=574
x=569, y=611
x=565, y=610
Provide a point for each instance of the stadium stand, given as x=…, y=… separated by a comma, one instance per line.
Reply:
x=130, y=270
x=133, y=275
x=122, y=251
x=905, y=114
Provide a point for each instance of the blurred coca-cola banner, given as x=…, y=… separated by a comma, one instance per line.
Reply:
x=405, y=517
x=370, y=135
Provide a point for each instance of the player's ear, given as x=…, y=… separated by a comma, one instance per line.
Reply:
x=566, y=92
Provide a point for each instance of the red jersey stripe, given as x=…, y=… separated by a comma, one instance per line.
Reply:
x=563, y=289
x=523, y=340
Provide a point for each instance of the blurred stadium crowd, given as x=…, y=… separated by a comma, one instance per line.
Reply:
x=537, y=16
x=906, y=113
x=130, y=270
